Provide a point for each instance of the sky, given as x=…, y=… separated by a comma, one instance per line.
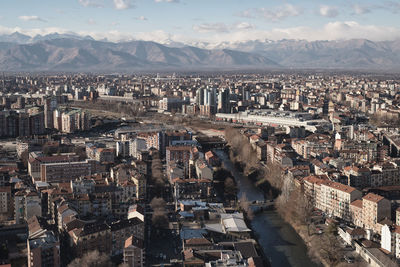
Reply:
x=212, y=21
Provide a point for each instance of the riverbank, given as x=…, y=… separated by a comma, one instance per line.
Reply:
x=280, y=243
x=302, y=231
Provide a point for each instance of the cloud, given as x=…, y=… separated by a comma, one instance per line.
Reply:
x=248, y=13
x=244, y=26
x=239, y=32
x=211, y=27
x=31, y=18
x=328, y=11
x=222, y=27
x=391, y=6
x=143, y=18
x=338, y=30
x=274, y=14
x=167, y=1
x=90, y=3
x=91, y=22
x=360, y=9
x=122, y=4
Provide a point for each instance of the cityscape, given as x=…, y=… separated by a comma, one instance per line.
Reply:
x=270, y=137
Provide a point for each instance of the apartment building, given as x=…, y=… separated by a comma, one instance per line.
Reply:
x=385, y=174
x=375, y=209
x=315, y=144
x=92, y=236
x=26, y=205
x=134, y=253
x=99, y=152
x=123, y=229
x=43, y=250
x=5, y=200
x=356, y=212
x=136, y=146
x=37, y=159
x=122, y=148
x=153, y=139
x=180, y=155
x=140, y=182
x=336, y=198
x=331, y=197
x=74, y=120
x=68, y=171
x=312, y=188
x=358, y=177
x=397, y=241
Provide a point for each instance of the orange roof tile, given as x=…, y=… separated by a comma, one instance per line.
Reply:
x=373, y=197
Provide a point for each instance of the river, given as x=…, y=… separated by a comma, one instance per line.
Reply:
x=279, y=241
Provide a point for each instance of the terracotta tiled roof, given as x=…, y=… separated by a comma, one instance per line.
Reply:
x=357, y=203
x=339, y=186
x=197, y=241
x=373, y=197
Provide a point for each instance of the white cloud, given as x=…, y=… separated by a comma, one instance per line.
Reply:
x=339, y=30
x=122, y=4
x=328, y=11
x=31, y=18
x=360, y=9
x=222, y=27
x=240, y=32
x=211, y=27
x=143, y=18
x=274, y=14
x=248, y=13
x=391, y=6
x=91, y=22
x=244, y=26
x=91, y=3
x=167, y=1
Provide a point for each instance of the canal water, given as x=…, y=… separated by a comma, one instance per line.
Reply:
x=279, y=241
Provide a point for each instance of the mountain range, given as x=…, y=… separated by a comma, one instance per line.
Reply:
x=72, y=52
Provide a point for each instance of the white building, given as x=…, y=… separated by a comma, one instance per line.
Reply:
x=136, y=146
x=388, y=238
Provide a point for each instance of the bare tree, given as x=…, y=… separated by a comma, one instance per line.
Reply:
x=230, y=188
x=25, y=158
x=246, y=207
x=92, y=259
x=157, y=173
x=159, y=217
x=157, y=203
x=273, y=174
x=304, y=209
x=242, y=151
x=329, y=248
